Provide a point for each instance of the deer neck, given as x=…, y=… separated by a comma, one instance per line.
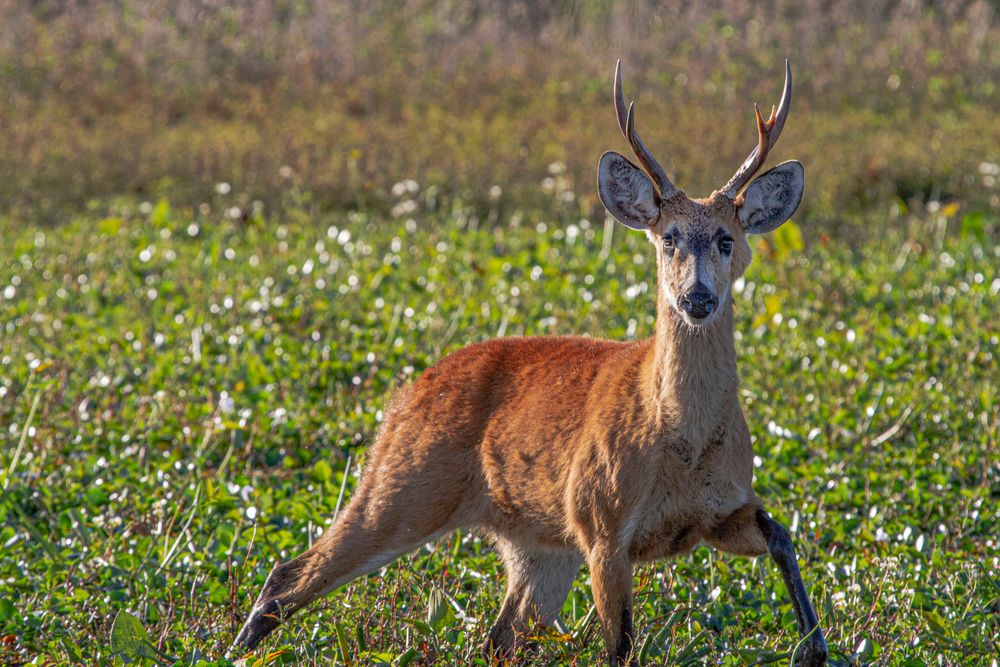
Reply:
x=694, y=378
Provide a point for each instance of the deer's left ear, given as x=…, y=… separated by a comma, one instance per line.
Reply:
x=771, y=198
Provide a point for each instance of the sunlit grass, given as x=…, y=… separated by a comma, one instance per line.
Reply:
x=181, y=392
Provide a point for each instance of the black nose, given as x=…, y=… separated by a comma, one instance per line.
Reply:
x=699, y=305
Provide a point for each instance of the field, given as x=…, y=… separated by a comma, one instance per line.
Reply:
x=148, y=99
x=229, y=230
x=186, y=397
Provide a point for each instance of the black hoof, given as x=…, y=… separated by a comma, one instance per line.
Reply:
x=506, y=645
x=812, y=652
x=261, y=622
x=495, y=650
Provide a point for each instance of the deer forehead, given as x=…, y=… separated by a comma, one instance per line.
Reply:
x=697, y=217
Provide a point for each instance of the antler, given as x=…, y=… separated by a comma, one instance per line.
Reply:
x=626, y=122
x=768, y=132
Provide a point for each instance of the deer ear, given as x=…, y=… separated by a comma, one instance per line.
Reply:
x=627, y=192
x=771, y=198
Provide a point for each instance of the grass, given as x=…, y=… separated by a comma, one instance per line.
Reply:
x=185, y=395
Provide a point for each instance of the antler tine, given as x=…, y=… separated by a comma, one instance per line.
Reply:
x=626, y=123
x=620, y=99
x=768, y=132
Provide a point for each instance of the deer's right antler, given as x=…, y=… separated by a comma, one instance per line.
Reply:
x=626, y=122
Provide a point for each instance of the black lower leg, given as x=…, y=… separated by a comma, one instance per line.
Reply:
x=501, y=642
x=277, y=600
x=779, y=545
x=626, y=639
x=259, y=624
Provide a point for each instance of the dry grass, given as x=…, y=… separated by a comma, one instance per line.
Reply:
x=147, y=98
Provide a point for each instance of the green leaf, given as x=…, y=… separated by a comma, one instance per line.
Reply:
x=342, y=644
x=282, y=656
x=787, y=240
x=161, y=214
x=129, y=639
x=7, y=609
x=322, y=471
x=420, y=626
x=437, y=609
x=407, y=657
x=973, y=224
x=359, y=637
x=110, y=226
x=937, y=622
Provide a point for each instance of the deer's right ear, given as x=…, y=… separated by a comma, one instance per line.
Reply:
x=627, y=192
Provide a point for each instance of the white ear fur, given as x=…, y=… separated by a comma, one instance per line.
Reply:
x=627, y=192
x=772, y=198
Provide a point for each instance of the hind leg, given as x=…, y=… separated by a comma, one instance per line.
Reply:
x=392, y=513
x=330, y=564
x=538, y=581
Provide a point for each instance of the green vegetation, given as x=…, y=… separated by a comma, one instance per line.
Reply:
x=190, y=371
x=182, y=392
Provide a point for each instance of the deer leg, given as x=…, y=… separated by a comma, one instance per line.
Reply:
x=538, y=581
x=502, y=641
x=750, y=531
x=813, y=651
x=611, y=584
x=329, y=565
x=392, y=513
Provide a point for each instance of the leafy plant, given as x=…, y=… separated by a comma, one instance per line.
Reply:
x=192, y=397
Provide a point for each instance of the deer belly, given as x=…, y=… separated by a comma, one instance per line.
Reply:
x=525, y=486
x=660, y=534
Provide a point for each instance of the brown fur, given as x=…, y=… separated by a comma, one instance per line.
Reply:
x=565, y=450
x=618, y=452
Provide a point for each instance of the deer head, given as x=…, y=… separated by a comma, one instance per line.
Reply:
x=701, y=243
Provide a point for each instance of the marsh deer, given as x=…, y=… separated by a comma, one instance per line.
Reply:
x=571, y=450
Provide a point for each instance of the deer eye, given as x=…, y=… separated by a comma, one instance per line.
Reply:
x=725, y=245
x=668, y=243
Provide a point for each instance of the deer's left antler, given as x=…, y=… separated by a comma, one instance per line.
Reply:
x=768, y=132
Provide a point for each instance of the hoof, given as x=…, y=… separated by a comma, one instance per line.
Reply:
x=497, y=654
x=812, y=652
x=505, y=646
x=261, y=622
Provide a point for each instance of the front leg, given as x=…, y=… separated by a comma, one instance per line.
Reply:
x=813, y=651
x=611, y=584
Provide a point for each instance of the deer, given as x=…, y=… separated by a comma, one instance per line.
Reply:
x=573, y=450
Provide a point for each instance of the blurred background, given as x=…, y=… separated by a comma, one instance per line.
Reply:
x=333, y=103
